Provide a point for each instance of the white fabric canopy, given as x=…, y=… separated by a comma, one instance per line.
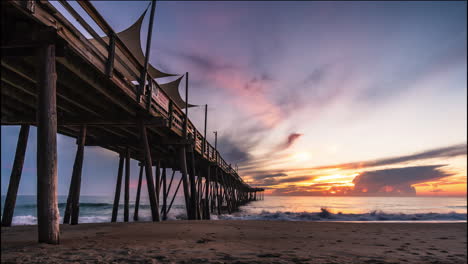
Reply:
x=131, y=38
x=172, y=90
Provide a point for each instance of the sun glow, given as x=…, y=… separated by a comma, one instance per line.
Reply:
x=335, y=176
x=301, y=156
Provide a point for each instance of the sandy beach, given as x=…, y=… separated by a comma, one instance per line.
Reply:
x=241, y=242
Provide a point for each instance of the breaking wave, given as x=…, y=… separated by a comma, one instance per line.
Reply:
x=327, y=215
x=32, y=220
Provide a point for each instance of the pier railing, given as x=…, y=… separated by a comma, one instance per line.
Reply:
x=156, y=100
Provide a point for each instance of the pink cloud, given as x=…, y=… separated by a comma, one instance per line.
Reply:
x=248, y=95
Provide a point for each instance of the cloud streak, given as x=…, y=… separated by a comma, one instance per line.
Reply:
x=444, y=152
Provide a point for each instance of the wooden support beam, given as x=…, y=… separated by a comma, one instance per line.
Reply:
x=186, y=106
x=127, y=185
x=207, y=193
x=143, y=73
x=157, y=179
x=164, y=180
x=110, y=58
x=199, y=205
x=15, y=176
x=193, y=188
x=149, y=173
x=175, y=193
x=218, y=192
x=47, y=203
x=76, y=177
x=137, y=199
x=118, y=187
x=170, y=183
x=183, y=171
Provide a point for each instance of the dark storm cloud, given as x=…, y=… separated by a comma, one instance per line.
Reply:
x=265, y=176
x=316, y=75
x=396, y=180
x=198, y=61
x=387, y=182
x=289, y=141
x=232, y=151
x=255, y=83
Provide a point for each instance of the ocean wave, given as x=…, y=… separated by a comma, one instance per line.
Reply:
x=62, y=205
x=24, y=220
x=98, y=205
x=32, y=220
x=327, y=215
x=323, y=215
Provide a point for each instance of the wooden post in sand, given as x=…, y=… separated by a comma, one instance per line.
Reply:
x=157, y=182
x=226, y=192
x=183, y=171
x=200, y=201
x=127, y=185
x=118, y=186
x=137, y=199
x=76, y=177
x=47, y=204
x=149, y=172
x=213, y=195
x=220, y=192
x=193, y=188
x=207, y=193
x=164, y=206
x=15, y=176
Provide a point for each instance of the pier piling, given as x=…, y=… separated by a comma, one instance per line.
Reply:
x=15, y=177
x=118, y=187
x=47, y=203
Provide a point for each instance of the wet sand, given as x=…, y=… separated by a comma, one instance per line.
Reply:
x=241, y=242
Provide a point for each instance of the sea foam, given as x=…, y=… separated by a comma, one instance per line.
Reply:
x=326, y=215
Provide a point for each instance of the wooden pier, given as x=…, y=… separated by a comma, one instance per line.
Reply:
x=101, y=93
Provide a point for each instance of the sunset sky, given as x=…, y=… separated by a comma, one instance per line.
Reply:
x=308, y=98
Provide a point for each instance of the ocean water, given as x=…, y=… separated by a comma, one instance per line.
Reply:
x=95, y=209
